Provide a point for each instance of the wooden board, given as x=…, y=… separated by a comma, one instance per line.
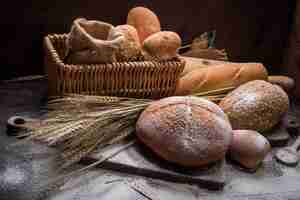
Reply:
x=139, y=160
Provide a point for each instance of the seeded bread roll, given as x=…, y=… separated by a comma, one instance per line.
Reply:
x=256, y=105
x=249, y=148
x=189, y=131
x=220, y=76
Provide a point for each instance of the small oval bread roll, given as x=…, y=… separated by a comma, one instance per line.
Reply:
x=189, y=131
x=144, y=20
x=256, y=105
x=285, y=82
x=161, y=46
x=249, y=148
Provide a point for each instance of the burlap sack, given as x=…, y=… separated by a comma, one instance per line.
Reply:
x=92, y=42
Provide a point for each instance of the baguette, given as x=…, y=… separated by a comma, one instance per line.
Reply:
x=220, y=76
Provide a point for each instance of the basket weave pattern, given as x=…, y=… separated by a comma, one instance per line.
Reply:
x=140, y=79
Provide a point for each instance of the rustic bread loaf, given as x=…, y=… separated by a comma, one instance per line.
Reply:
x=144, y=20
x=161, y=46
x=220, y=76
x=130, y=47
x=285, y=82
x=249, y=148
x=256, y=105
x=189, y=131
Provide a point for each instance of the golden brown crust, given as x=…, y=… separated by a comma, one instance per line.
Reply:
x=249, y=148
x=256, y=105
x=220, y=76
x=285, y=82
x=144, y=20
x=162, y=45
x=189, y=131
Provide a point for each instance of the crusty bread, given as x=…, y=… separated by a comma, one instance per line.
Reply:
x=192, y=64
x=189, y=131
x=285, y=82
x=220, y=76
x=130, y=47
x=256, y=105
x=161, y=46
x=249, y=148
x=144, y=20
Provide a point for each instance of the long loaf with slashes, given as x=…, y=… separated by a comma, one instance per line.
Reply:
x=220, y=76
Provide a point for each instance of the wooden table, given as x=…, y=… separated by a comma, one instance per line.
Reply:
x=21, y=175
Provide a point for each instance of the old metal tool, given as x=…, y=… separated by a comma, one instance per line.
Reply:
x=289, y=155
x=17, y=125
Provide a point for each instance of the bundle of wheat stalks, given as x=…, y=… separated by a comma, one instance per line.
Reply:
x=79, y=124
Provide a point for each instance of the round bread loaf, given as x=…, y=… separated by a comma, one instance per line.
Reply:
x=249, y=148
x=162, y=45
x=144, y=20
x=256, y=105
x=130, y=47
x=189, y=131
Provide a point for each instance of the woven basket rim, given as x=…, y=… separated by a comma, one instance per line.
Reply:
x=147, y=63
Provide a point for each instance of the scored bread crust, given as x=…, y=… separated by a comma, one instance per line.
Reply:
x=220, y=76
x=189, y=131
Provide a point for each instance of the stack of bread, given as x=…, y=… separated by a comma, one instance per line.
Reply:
x=190, y=131
x=195, y=132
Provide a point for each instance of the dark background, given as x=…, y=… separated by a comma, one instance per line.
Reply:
x=252, y=30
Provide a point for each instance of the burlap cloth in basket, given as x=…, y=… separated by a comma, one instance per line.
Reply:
x=92, y=42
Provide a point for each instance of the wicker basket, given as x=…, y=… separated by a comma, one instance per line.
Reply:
x=141, y=79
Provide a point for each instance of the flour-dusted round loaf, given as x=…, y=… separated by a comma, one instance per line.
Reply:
x=144, y=20
x=161, y=46
x=249, y=148
x=256, y=105
x=188, y=131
